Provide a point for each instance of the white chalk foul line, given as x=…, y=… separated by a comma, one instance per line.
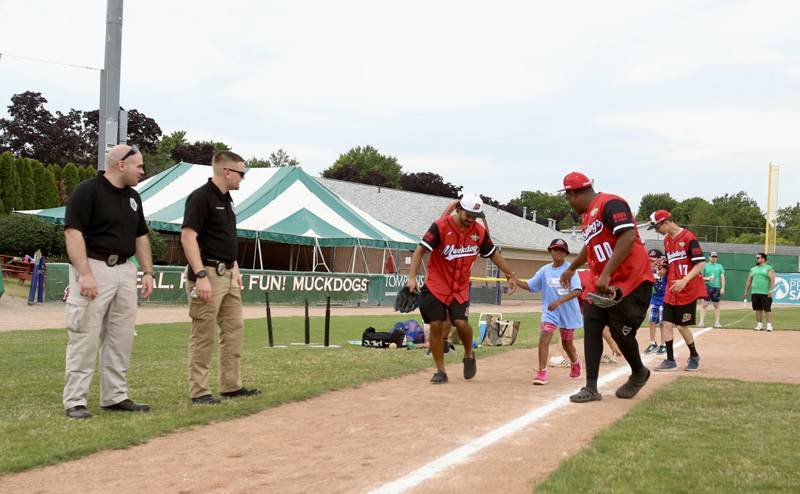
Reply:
x=461, y=454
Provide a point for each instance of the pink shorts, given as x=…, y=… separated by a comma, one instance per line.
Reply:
x=550, y=328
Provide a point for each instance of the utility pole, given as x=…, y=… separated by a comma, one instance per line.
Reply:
x=112, y=122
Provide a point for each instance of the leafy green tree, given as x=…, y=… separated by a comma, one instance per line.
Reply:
x=158, y=161
x=366, y=165
x=46, y=190
x=9, y=179
x=738, y=211
x=87, y=172
x=27, y=186
x=71, y=178
x=199, y=153
x=278, y=159
x=652, y=202
x=789, y=223
x=546, y=206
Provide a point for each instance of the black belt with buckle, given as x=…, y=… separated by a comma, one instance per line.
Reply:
x=220, y=266
x=111, y=260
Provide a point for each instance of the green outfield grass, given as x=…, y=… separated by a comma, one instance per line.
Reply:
x=785, y=318
x=34, y=430
x=694, y=435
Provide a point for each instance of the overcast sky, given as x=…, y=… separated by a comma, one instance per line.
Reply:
x=692, y=98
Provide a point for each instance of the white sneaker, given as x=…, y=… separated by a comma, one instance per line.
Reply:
x=702, y=323
x=759, y=327
x=769, y=327
x=717, y=325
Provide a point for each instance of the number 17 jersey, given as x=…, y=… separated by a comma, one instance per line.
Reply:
x=607, y=217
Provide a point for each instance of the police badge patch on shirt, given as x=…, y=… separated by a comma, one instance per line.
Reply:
x=134, y=206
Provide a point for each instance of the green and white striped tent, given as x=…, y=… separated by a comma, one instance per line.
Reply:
x=284, y=205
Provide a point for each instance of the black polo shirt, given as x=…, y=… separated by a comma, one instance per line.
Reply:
x=210, y=213
x=109, y=218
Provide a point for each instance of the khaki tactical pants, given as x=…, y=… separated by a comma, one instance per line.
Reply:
x=107, y=321
x=225, y=310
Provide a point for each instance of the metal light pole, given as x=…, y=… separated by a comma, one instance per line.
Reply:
x=112, y=122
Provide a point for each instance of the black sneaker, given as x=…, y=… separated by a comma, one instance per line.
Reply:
x=205, y=400
x=439, y=378
x=127, y=405
x=241, y=392
x=469, y=367
x=78, y=412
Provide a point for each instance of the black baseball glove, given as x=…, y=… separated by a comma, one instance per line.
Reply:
x=605, y=300
x=406, y=300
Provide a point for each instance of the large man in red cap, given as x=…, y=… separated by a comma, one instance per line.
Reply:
x=686, y=285
x=454, y=241
x=620, y=269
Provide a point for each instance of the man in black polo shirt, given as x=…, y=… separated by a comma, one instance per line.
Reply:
x=104, y=226
x=210, y=245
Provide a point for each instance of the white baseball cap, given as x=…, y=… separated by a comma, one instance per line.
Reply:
x=472, y=205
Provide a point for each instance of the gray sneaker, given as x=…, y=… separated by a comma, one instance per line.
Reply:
x=667, y=366
x=693, y=364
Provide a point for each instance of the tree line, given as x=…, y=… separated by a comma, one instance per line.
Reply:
x=49, y=153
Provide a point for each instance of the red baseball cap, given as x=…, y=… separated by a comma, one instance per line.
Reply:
x=658, y=216
x=558, y=244
x=575, y=181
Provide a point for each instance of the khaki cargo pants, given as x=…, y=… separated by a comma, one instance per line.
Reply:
x=108, y=321
x=224, y=310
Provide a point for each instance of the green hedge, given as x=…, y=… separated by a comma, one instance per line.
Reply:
x=21, y=234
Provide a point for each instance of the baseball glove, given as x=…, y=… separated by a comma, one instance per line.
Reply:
x=604, y=301
x=406, y=300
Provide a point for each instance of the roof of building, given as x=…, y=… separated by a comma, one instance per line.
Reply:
x=413, y=212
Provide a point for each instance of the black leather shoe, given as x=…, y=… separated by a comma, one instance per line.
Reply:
x=78, y=412
x=241, y=392
x=205, y=400
x=127, y=406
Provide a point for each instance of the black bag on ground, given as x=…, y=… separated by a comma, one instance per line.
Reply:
x=381, y=339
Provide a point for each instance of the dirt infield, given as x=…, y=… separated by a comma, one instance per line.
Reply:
x=357, y=440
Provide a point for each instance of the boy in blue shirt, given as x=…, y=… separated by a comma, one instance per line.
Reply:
x=658, y=264
x=560, y=309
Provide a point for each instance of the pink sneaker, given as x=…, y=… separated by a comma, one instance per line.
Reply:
x=575, y=370
x=541, y=377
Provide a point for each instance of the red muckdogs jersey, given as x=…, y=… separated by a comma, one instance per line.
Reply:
x=606, y=218
x=683, y=252
x=453, y=251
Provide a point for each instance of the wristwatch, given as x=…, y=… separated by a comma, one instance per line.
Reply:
x=201, y=274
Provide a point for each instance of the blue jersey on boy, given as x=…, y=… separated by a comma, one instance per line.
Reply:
x=548, y=281
x=659, y=289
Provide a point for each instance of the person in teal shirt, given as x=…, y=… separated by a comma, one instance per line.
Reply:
x=761, y=284
x=714, y=276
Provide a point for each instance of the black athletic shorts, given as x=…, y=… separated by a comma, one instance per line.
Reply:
x=762, y=301
x=627, y=315
x=432, y=309
x=680, y=315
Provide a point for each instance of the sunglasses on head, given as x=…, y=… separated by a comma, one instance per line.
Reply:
x=133, y=150
x=241, y=173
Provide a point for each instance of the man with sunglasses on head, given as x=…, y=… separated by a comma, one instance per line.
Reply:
x=214, y=285
x=104, y=225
